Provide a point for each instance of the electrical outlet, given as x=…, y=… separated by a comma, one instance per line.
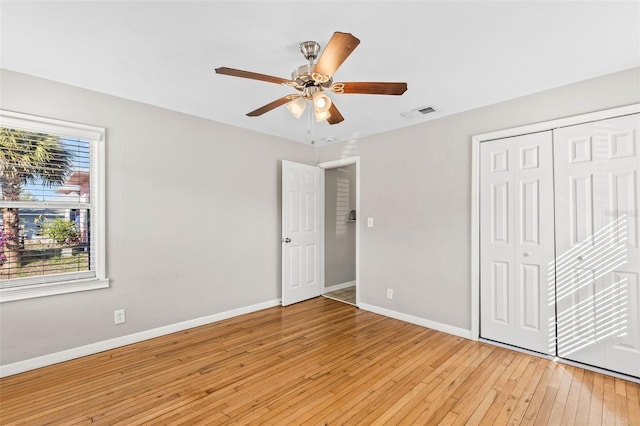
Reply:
x=119, y=317
x=389, y=293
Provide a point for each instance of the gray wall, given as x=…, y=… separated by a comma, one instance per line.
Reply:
x=161, y=165
x=340, y=235
x=420, y=245
x=193, y=220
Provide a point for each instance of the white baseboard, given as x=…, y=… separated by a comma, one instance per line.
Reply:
x=93, y=348
x=461, y=332
x=339, y=286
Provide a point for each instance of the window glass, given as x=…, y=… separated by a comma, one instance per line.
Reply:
x=49, y=198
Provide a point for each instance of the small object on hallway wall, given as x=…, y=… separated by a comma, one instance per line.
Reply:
x=389, y=293
x=370, y=222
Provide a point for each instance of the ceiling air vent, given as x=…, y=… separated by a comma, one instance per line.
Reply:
x=418, y=112
x=426, y=110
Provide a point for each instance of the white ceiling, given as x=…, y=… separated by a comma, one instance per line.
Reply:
x=454, y=55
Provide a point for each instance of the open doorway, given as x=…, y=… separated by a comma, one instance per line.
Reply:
x=340, y=231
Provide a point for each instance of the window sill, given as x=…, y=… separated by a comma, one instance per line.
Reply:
x=11, y=294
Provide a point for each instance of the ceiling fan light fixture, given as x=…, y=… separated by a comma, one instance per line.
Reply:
x=322, y=115
x=297, y=106
x=321, y=102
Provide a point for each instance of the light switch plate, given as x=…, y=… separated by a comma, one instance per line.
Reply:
x=370, y=222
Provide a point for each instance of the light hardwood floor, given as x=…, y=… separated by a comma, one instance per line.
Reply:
x=317, y=362
x=347, y=295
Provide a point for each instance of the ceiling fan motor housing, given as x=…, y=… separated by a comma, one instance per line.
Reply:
x=304, y=77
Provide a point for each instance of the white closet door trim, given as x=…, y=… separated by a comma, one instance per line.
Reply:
x=475, y=186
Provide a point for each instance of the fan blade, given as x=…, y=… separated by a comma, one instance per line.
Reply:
x=370, y=88
x=252, y=75
x=270, y=106
x=335, y=117
x=337, y=50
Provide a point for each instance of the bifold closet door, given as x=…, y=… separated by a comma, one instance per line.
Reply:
x=517, y=242
x=597, y=167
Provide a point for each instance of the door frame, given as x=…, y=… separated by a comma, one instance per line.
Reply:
x=333, y=165
x=475, y=186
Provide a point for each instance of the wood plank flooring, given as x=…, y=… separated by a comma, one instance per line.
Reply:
x=347, y=295
x=318, y=362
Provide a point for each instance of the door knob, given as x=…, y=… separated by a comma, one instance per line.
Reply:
x=580, y=258
x=286, y=240
x=526, y=254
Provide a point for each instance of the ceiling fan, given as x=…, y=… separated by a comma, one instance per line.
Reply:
x=312, y=80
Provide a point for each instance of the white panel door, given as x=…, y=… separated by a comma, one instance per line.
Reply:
x=497, y=242
x=300, y=232
x=517, y=242
x=597, y=168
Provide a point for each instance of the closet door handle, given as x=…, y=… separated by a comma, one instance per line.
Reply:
x=580, y=258
x=526, y=254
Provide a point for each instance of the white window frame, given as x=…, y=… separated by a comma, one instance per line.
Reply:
x=96, y=137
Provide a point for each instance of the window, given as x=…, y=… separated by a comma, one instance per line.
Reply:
x=52, y=237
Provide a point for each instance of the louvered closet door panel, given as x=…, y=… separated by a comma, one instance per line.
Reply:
x=517, y=246
x=597, y=168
